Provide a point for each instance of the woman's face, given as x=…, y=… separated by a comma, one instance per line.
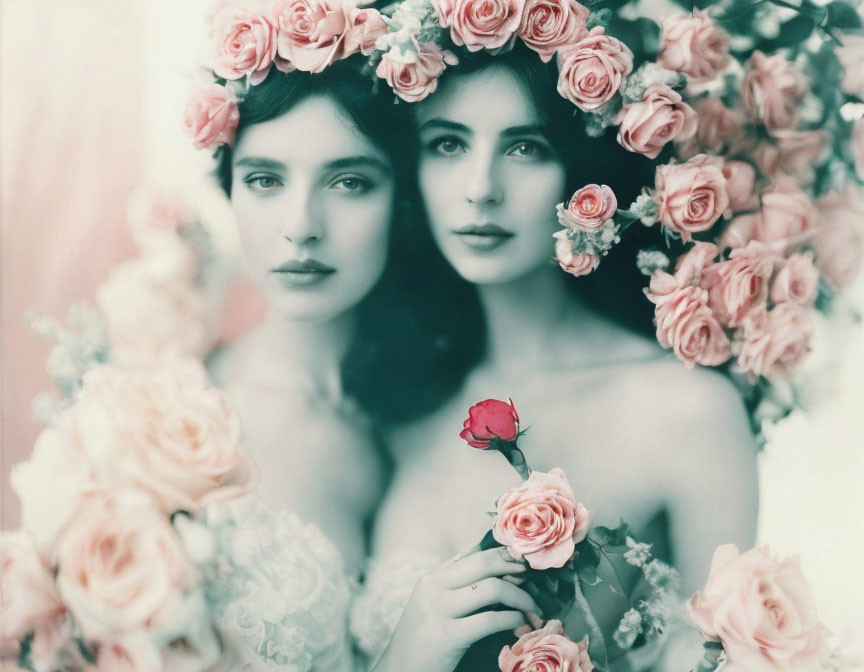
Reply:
x=313, y=201
x=489, y=178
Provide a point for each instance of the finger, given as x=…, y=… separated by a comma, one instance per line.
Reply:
x=464, y=554
x=479, y=566
x=478, y=626
x=487, y=592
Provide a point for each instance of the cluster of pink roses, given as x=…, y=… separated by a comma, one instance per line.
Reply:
x=760, y=610
x=589, y=229
x=98, y=559
x=306, y=35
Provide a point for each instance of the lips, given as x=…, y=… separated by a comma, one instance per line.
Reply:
x=488, y=229
x=307, y=266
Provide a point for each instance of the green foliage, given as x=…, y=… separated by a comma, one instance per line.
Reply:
x=842, y=15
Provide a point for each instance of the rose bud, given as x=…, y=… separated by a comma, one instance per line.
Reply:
x=489, y=420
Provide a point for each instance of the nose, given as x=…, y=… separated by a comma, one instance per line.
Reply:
x=302, y=223
x=483, y=186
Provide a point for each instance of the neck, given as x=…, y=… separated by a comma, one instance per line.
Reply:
x=524, y=316
x=311, y=351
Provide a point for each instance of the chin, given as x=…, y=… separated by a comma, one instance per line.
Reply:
x=492, y=271
x=296, y=307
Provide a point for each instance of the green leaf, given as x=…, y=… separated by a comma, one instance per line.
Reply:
x=843, y=15
x=794, y=31
x=489, y=542
x=586, y=561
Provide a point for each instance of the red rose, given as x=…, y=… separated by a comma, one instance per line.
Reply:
x=488, y=420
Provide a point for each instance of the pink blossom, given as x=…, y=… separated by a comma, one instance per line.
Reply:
x=310, y=33
x=686, y=324
x=660, y=117
x=740, y=284
x=489, y=420
x=740, y=185
x=365, y=27
x=858, y=147
x=541, y=520
x=549, y=25
x=546, y=650
x=762, y=611
x=414, y=76
x=775, y=341
x=839, y=241
x=851, y=57
x=591, y=207
x=593, y=69
x=691, y=196
x=694, y=44
x=211, y=117
x=786, y=212
x=246, y=45
x=575, y=264
x=739, y=231
x=771, y=90
x=796, y=282
x=717, y=124
x=482, y=24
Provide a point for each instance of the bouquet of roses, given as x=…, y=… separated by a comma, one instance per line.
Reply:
x=104, y=570
x=756, y=613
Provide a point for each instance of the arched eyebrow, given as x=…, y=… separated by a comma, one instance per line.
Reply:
x=529, y=129
x=260, y=163
x=357, y=162
x=445, y=125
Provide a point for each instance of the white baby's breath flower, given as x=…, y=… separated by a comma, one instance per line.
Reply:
x=644, y=208
x=638, y=554
x=661, y=576
x=649, y=261
x=628, y=629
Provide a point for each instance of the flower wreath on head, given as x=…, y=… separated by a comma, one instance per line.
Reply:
x=754, y=115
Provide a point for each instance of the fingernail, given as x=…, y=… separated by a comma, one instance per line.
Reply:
x=509, y=558
x=535, y=620
x=522, y=630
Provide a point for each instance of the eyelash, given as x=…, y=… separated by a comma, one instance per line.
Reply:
x=253, y=183
x=539, y=151
x=364, y=184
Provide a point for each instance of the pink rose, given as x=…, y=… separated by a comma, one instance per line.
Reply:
x=762, y=611
x=52, y=483
x=310, y=33
x=591, y=207
x=592, y=70
x=839, y=243
x=851, y=57
x=739, y=231
x=246, y=45
x=365, y=27
x=120, y=567
x=546, y=650
x=786, y=213
x=691, y=196
x=413, y=76
x=660, y=117
x=549, y=25
x=489, y=420
x=740, y=284
x=686, y=324
x=858, y=147
x=796, y=282
x=689, y=267
x=131, y=653
x=211, y=117
x=173, y=436
x=483, y=24
x=30, y=601
x=791, y=153
x=694, y=45
x=716, y=123
x=740, y=185
x=771, y=90
x=575, y=264
x=541, y=520
x=775, y=341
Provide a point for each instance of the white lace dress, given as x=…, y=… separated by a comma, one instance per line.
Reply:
x=279, y=589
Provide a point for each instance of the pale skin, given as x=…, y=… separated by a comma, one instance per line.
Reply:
x=637, y=433
x=307, y=185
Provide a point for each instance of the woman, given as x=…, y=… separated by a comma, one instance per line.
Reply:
x=313, y=178
x=667, y=449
